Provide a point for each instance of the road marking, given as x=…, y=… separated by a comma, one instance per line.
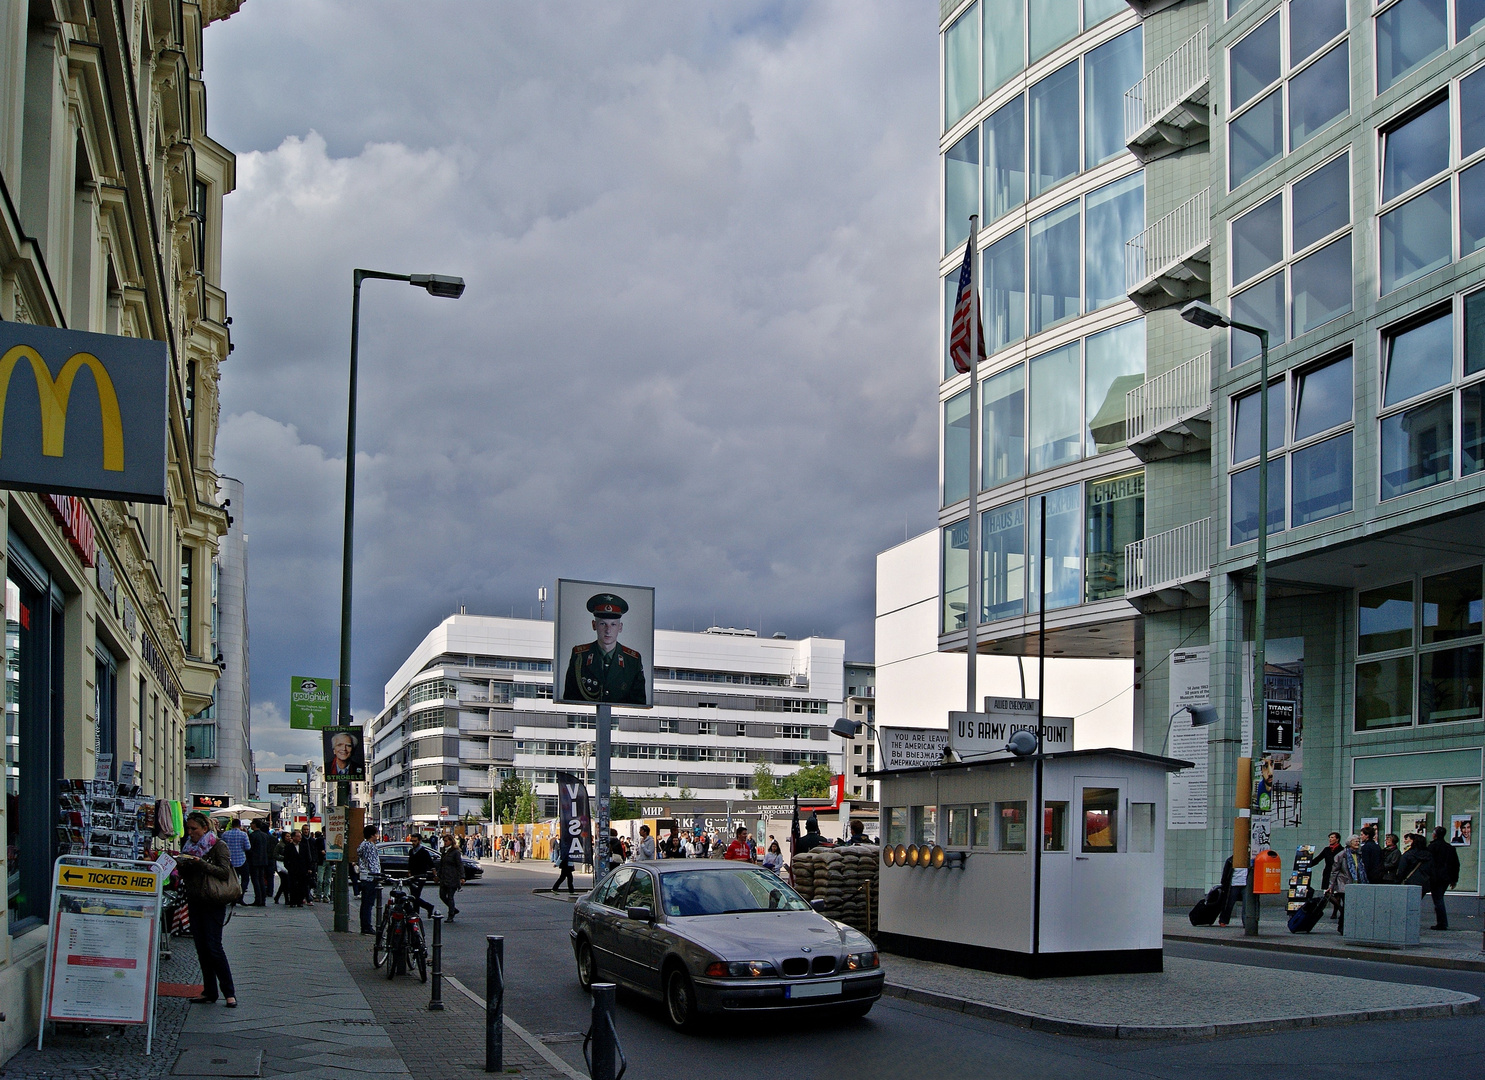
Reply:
x=529, y=1039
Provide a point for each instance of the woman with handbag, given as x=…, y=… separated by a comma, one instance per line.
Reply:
x=206, y=868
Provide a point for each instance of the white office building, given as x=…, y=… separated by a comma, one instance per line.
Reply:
x=473, y=705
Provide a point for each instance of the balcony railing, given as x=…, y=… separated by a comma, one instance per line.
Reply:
x=1167, y=109
x=1169, y=403
x=1171, y=560
x=1171, y=260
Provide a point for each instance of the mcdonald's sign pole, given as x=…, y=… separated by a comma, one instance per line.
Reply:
x=450, y=288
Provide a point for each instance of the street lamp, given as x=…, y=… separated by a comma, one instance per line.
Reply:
x=436, y=285
x=1201, y=716
x=1205, y=315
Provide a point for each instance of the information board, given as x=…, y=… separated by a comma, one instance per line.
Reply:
x=105, y=925
x=912, y=748
x=335, y=828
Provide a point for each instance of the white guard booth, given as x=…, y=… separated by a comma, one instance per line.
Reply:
x=983, y=893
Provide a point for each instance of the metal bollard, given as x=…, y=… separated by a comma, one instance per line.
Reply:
x=494, y=1003
x=605, y=1042
x=436, y=1005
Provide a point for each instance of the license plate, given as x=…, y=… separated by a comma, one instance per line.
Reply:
x=811, y=990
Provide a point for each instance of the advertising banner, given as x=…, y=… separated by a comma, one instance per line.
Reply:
x=311, y=702
x=577, y=821
x=605, y=646
x=1186, y=793
x=911, y=748
x=335, y=830
x=345, y=753
x=208, y=803
x=1278, y=771
x=88, y=416
x=100, y=964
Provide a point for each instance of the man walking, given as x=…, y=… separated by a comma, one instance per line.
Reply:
x=419, y=870
x=238, y=844
x=564, y=864
x=450, y=873
x=1445, y=874
x=260, y=862
x=369, y=865
x=1371, y=854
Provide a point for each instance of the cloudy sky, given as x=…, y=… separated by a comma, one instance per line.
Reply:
x=697, y=349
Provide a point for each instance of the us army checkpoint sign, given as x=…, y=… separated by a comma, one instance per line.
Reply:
x=83, y=414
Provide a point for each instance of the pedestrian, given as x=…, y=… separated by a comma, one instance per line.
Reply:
x=297, y=863
x=858, y=833
x=450, y=874
x=1327, y=856
x=773, y=859
x=206, y=868
x=1416, y=867
x=421, y=869
x=369, y=865
x=464, y=845
x=811, y=838
x=238, y=844
x=260, y=862
x=564, y=865
x=1371, y=853
x=704, y=845
x=1232, y=895
x=1346, y=868
x=739, y=850
x=1445, y=873
x=1391, y=860
x=321, y=883
x=646, y=845
x=674, y=847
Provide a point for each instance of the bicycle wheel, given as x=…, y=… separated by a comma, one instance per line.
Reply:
x=378, y=950
x=420, y=952
x=395, y=951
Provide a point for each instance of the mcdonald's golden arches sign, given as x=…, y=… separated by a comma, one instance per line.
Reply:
x=83, y=414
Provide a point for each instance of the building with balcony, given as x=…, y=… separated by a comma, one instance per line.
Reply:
x=472, y=705
x=1313, y=168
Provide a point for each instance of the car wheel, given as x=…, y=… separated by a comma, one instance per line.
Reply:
x=680, y=1000
x=587, y=972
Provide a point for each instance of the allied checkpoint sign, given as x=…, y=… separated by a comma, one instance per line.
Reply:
x=100, y=961
x=83, y=414
x=983, y=736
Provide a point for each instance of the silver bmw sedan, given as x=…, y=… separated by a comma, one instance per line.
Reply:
x=707, y=937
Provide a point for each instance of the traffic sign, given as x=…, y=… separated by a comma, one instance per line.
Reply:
x=296, y=768
x=1278, y=727
x=107, y=879
x=286, y=789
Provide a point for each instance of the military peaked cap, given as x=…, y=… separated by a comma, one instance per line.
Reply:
x=607, y=606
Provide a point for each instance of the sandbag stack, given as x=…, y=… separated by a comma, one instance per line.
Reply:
x=842, y=877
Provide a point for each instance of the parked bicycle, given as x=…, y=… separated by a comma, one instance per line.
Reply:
x=400, y=941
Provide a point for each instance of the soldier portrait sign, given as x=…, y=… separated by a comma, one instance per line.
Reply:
x=605, y=645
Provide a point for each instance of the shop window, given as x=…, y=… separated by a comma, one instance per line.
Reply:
x=1280, y=99
x=1142, y=827
x=959, y=826
x=982, y=826
x=1369, y=807
x=1054, y=826
x=1011, y=826
x=1414, y=810
x=1100, y=820
x=1459, y=814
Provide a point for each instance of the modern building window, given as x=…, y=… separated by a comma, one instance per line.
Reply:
x=1112, y=215
x=1003, y=562
x=1066, y=122
x=1279, y=98
x=1056, y=413
x=1003, y=418
x=1113, y=365
x=1005, y=41
x=956, y=448
x=1312, y=285
x=1004, y=288
x=1423, y=632
x=1421, y=164
x=1409, y=33
x=1417, y=808
x=1055, y=291
x=955, y=590
x=961, y=65
x=1310, y=440
x=1063, y=561
x=1116, y=518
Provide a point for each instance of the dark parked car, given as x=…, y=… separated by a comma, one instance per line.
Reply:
x=394, y=860
x=706, y=937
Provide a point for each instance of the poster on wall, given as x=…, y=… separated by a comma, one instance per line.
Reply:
x=1279, y=768
x=1190, y=684
x=345, y=753
x=1460, y=826
x=605, y=644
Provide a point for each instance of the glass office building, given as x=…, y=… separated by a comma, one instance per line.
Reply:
x=1307, y=166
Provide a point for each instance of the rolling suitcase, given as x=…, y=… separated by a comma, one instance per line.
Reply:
x=1207, y=908
x=1304, y=920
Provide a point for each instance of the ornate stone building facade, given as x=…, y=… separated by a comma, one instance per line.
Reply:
x=110, y=221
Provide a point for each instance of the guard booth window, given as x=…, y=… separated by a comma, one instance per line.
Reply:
x=1054, y=826
x=1100, y=820
x=33, y=724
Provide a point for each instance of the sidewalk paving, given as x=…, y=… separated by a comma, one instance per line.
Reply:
x=1454, y=949
x=1189, y=999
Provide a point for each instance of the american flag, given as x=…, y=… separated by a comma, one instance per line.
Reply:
x=959, y=329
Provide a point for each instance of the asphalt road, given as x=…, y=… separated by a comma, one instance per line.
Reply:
x=899, y=1039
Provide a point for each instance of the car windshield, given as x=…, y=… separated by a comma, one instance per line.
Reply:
x=707, y=892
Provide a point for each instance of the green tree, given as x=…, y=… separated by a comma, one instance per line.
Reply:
x=764, y=784
x=525, y=808
x=810, y=782
x=622, y=808
x=686, y=792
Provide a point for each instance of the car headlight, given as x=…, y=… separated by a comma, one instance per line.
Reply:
x=741, y=969
x=862, y=961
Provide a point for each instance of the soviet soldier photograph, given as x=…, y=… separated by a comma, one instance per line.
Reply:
x=604, y=669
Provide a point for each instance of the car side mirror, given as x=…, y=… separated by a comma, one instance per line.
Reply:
x=641, y=914
x=819, y=905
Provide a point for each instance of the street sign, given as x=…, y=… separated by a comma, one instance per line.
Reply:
x=109, y=879
x=311, y=702
x=1278, y=725
x=984, y=735
x=286, y=789
x=912, y=748
x=296, y=768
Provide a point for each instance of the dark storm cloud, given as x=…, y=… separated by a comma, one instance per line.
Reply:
x=697, y=348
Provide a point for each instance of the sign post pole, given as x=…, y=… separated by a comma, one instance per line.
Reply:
x=604, y=747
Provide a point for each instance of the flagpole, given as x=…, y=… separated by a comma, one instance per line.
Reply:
x=972, y=608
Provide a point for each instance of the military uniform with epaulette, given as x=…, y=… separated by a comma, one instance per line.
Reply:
x=617, y=676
